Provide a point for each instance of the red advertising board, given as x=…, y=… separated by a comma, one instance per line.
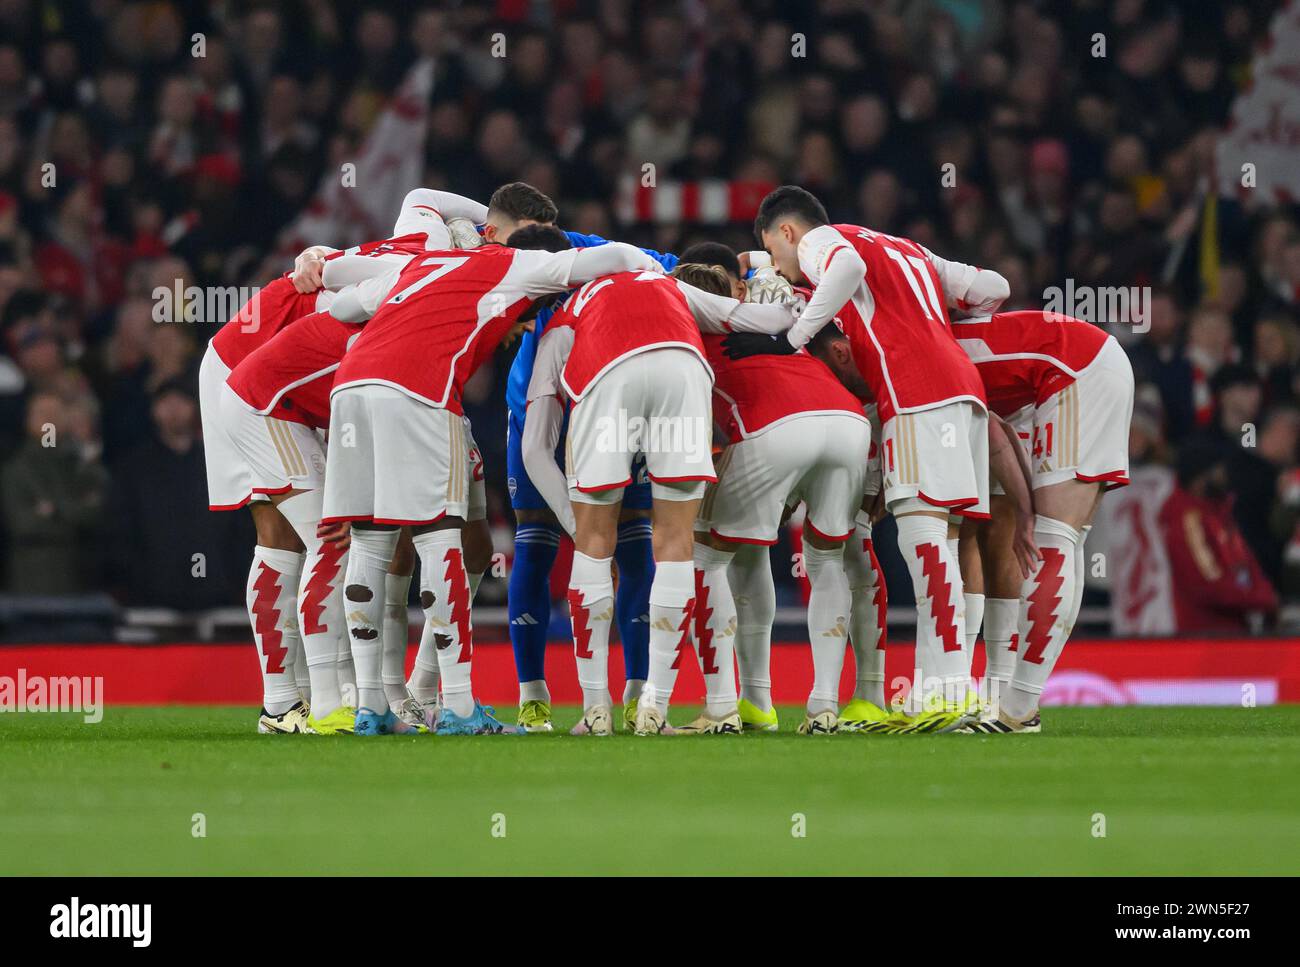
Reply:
x=1262, y=671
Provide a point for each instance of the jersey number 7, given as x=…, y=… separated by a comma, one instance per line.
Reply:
x=446, y=265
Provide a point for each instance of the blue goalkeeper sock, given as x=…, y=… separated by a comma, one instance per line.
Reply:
x=530, y=597
x=636, y=569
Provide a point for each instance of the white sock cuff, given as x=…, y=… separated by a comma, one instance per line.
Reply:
x=1056, y=528
x=286, y=562
x=673, y=584
x=446, y=537
x=862, y=525
x=592, y=577
x=373, y=546
x=817, y=559
x=922, y=529
x=711, y=559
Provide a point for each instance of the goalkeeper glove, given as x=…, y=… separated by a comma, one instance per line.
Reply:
x=766, y=286
x=463, y=233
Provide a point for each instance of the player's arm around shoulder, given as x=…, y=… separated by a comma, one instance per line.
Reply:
x=607, y=259
x=835, y=267
x=719, y=314
x=544, y=420
x=357, y=303
x=967, y=287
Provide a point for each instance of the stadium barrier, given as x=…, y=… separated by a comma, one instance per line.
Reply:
x=1178, y=671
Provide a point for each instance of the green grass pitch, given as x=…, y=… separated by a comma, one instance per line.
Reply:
x=1179, y=790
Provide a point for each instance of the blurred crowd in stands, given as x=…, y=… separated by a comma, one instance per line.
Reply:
x=127, y=163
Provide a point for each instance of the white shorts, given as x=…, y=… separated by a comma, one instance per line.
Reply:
x=395, y=460
x=1081, y=431
x=820, y=459
x=249, y=456
x=229, y=487
x=938, y=458
x=276, y=455
x=656, y=403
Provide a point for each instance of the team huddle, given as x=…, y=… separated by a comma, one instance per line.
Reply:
x=846, y=371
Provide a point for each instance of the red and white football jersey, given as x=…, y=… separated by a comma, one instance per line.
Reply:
x=752, y=394
x=290, y=377
x=621, y=315
x=1024, y=357
x=278, y=303
x=445, y=315
x=897, y=321
x=271, y=308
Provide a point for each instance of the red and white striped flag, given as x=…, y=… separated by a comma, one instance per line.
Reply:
x=704, y=202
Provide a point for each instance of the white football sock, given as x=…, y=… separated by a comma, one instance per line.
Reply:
x=591, y=610
x=940, y=607
x=974, y=620
x=1047, y=596
x=1001, y=621
x=363, y=602
x=271, y=596
x=1081, y=580
x=444, y=593
x=754, y=594
x=347, y=672
x=715, y=629
x=534, y=691
x=828, y=624
x=867, y=613
x=397, y=628
x=672, y=606
x=424, y=680
x=320, y=601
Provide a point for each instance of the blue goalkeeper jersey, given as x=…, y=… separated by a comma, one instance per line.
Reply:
x=521, y=370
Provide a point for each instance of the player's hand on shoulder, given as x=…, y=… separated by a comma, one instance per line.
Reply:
x=309, y=270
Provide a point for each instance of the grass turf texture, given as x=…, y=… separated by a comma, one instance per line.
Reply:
x=1182, y=790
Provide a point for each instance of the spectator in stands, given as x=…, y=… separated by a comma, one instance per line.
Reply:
x=1218, y=585
x=52, y=493
x=1277, y=349
x=163, y=553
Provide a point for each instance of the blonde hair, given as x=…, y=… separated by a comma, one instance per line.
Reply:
x=710, y=278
